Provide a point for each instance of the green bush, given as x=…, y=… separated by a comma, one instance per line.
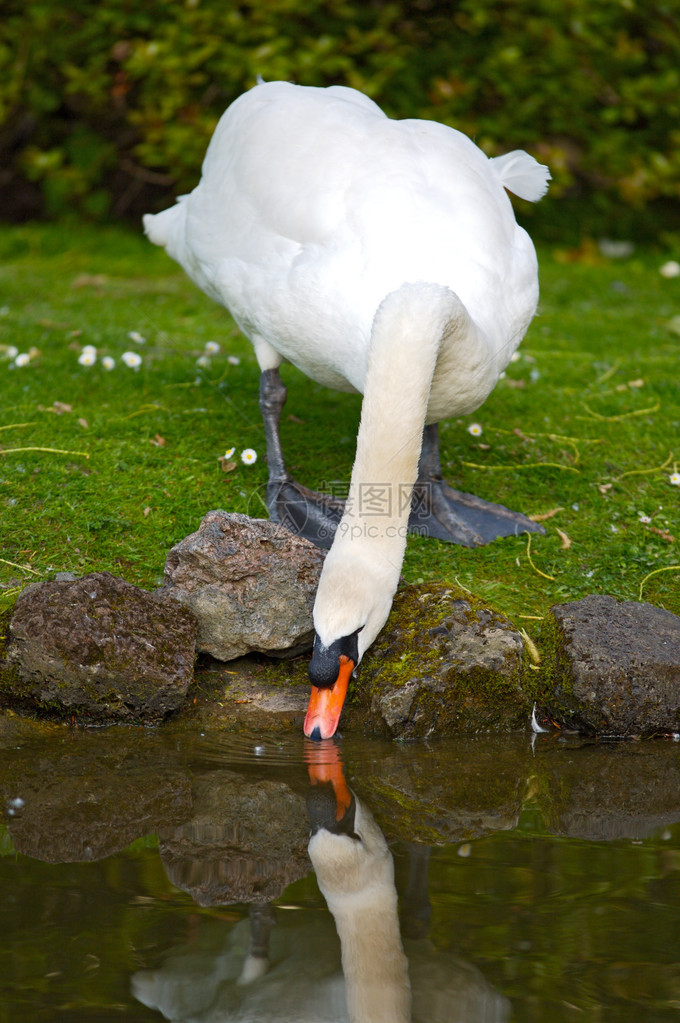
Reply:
x=107, y=109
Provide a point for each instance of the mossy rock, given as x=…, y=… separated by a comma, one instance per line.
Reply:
x=445, y=663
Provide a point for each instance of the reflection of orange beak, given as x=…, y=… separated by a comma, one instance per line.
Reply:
x=325, y=705
x=327, y=767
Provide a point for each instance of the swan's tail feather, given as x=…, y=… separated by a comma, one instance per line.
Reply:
x=522, y=175
x=162, y=228
x=168, y=229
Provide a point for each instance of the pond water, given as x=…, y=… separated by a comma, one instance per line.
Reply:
x=152, y=874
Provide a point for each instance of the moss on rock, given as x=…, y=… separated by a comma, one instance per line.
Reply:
x=445, y=663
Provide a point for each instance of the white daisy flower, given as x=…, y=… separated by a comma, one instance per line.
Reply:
x=645, y=519
x=132, y=360
x=87, y=357
x=515, y=357
x=203, y=361
x=674, y=479
x=248, y=456
x=475, y=429
x=108, y=362
x=12, y=352
x=233, y=360
x=229, y=454
x=135, y=336
x=670, y=269
x=212, y=347
x=22, y=359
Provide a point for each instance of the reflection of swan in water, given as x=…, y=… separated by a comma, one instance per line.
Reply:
x=355, y=872
x=219, y=979
x=291, y=972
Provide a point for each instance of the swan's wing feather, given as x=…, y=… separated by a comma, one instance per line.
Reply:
x=522, y=175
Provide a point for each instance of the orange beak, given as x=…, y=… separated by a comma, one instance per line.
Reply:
x=325, y=705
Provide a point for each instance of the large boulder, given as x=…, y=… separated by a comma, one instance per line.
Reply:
x=444, y=663
x=251, y=584
x=98, y=648
x=616, y=667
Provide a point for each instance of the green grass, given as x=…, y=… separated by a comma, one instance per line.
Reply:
x=107, y=470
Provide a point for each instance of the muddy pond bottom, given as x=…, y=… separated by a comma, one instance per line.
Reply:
x=174, y=874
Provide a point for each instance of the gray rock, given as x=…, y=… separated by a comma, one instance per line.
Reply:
x=252, y=695
x=444, y=663
x=251, y=584
x=98, y=648
x=617, y=667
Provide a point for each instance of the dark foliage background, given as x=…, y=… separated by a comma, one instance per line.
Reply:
x=106, y=108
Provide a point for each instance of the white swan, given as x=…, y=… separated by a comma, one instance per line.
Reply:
x=378, y=256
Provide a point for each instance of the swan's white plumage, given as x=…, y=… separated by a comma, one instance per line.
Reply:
x=313, y=208
x=361, y=572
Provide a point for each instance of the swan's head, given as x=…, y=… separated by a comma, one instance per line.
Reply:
x=352, y=604
x=349, y=854
x=330, y=670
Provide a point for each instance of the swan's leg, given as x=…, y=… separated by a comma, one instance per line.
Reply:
x=262, y=919
x=439, y=511
x=272, y=399
x=314, y=516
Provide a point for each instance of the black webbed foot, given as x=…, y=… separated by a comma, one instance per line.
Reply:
x=303, y=511
x=437, y=510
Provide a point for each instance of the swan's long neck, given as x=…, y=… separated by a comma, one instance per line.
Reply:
x=356, y=877
x=373, y=961
x=409, y=329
